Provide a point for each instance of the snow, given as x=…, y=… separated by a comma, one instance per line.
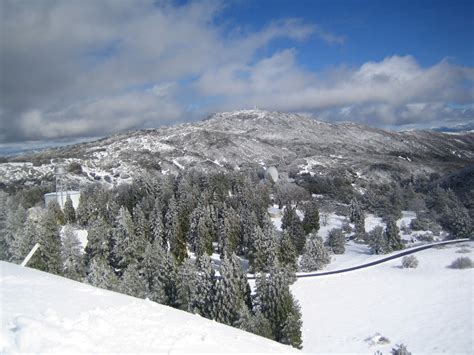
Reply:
x=429, y=309
x=46, y=313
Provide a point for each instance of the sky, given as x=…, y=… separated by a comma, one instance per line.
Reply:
x=88, y=68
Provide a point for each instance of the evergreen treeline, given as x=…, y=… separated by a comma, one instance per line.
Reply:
x=141, y=236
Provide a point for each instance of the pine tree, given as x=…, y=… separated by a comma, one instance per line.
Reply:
x=29, y=237
x=142, y=230
x=358, y=218
x=378, y=241
x=159, y=271
x=204, y=236
x=186, y=285
x=173, y=232
x=102, y=275
x=291, y=222
x=263, y=254
x=156, y=225
x=98, y=241
x=336, y=241
x=130, y=247
x=132, y=283
x=15, y=218
x=71, y=254
x=232, y=291
x=49, y=253
x=228, y=232
x=315, y=255
x=287, y=256
x=394, y=241
x=458, y=222
x=311, y=217
x=69, y=212
x=276, y=303
x=55, y=209
x=203, y=298
x=83, y=214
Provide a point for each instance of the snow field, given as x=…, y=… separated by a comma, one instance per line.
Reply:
x=44, y=313
x=429, y=309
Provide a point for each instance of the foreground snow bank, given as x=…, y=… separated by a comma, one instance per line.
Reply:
x=43, y=313
x=429, y=309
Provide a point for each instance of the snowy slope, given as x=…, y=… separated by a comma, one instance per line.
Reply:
x=429, y=309
x=43, y=313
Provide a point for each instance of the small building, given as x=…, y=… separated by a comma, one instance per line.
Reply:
x=60, y=197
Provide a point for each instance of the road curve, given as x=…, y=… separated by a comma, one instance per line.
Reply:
x=375, y=262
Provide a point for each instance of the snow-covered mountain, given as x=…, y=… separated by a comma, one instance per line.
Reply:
x=44, y=313
x=241, y=139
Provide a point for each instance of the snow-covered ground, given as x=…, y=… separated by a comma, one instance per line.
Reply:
x=429, y=309
x=44, y=313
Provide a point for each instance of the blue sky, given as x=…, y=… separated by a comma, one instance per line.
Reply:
x=91, y=68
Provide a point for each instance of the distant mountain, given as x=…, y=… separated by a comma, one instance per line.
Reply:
x=467, y=127
x=249, y=139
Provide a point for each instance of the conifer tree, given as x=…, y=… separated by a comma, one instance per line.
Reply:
x=156, y=225
x=173, y=232
x=291, y=222
x=311, y=217
x=14, y=221
x=253, y=323
x=186, y=285
x=132, y=283
x=378, y=241
x=336, y=241
x=69, y=212
x=98, y=241
x=55, y=209
x=315, y=256
x=102, y=275
x=263, y=254
x=394, y=241
x=49, y=253
x=28, y=238
x=276, y=303
x=287, y=256
x=83, y=214
x=358, y=218
x=232, y=291
x=142, y=231
x=159, y=271
x=203, y=298
x=71, y=254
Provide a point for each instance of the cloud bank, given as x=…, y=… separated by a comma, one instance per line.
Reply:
x=78, y=68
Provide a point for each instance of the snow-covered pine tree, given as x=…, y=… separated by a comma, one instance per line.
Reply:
x=142, y=229
x=311, y=217
x=394, y=241
x=458, y=222
x=14, y=221
x=27, y=238
x=71, y=254
x=54, y=208
x=173, y=231
x=315, y=256
x=336, y=241
x=98, y=241
x=157, y=226
x=378, y=241
x=203, y=298
x=132, y=283
x=292, y=223
x=263, y=254
x=232, y=291
x=186, y=284
x=69, y=212
x=287, y=256
x=83, y=214
x=276, y=303
x=102, y=275
x=49, y=253
x=228, y=231
x=204, y=235
x=159, y=270
x=358, y=218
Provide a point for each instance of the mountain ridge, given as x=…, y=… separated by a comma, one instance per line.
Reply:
x=249, y=139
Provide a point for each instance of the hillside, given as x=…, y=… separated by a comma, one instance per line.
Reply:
x=44, y=313
x=242, y=139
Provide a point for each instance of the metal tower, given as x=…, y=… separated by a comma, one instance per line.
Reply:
x=59, y=172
